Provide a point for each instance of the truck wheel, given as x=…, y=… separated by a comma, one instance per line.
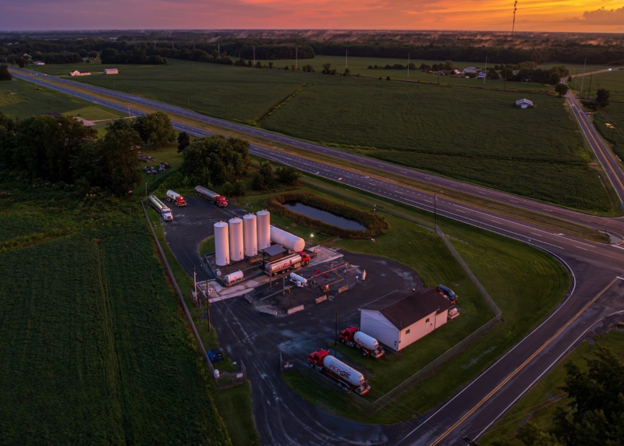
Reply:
x=365, y=354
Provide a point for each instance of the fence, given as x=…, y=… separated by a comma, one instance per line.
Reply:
x=225, y=379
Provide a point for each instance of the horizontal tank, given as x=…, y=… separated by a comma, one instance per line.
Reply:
x=234, y=277
x=286, y=239
x=264, y=229
x=222, y=244
x=250, y=235
x=341, y=369
x=236, y=239
x=366, y=341
x=297, y=278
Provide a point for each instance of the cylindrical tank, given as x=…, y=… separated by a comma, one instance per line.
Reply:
x=343, y=370
x=287, y=240
x=250, y=232
x=222, y=244
x=234, y=277
x=236, y=239
x=301, y=281
x=366, y=341
x=264, y=229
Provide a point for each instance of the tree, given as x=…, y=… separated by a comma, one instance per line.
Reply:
x=326, y=68
x=183, y=141
x=531, y=435
x=554, y=78
x=155, y=128
x=264, y=179
x=119, y=164
x=287, y=175
x=215, y=160
x=347, y=72
x=492, y=74
x=602, y=97
x=561, y=89
x=5, y=74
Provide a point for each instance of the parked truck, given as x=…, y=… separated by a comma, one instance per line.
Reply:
x=448, y=293
x=232, y=278
x=211, y=196
x=160, y=207
x=345, y=376
x=175, y=198
x=287, y=263
x=353, y=337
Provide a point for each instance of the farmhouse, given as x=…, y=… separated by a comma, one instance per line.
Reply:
x=471, y=70
x=79, y=73
x=111, y=71
x=524, y=103
x=38, y=62
x=398, y=320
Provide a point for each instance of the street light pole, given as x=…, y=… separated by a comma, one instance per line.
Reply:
x=435, y=212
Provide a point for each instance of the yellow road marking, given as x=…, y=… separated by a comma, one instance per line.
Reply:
x=522, y=366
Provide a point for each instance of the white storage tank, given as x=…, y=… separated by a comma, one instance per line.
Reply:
x=264, y=229
x=222, y=244
x=250, y=235
x=236, y=239
x=286, y=239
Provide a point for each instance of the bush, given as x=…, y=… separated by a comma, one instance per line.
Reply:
x=375, y=225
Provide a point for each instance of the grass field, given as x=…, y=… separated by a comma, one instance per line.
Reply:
x=539, y=404
x=468, y=134
x=526, y=283
x=92, y=345
x=613, y=114
x=613, y=81
x=20, y=99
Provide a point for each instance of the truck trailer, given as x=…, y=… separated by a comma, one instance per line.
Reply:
x=345, y=376
x=175, y=198
x=287, y=263
x=160, y=207
x=353, y=337
x=211, y=196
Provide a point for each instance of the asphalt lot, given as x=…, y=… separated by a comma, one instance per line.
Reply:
x=590, y=264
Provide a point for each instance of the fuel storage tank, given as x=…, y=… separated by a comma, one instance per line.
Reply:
x=286, y=239
x=222, y=244
x=236, y=239
x=250, y=235
x=264, y=229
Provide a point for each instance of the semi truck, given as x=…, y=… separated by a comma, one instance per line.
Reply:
x=233, y=278
x=287, y=263
x=160, y=207
x=211, y=196
x=175, y=198
x=345, y=376
x=353, y=337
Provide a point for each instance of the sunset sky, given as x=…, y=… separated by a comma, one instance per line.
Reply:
x=535, y=15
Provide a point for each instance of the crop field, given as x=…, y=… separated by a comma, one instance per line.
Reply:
x=468, y=134
x=477, y=136
x=92, y=346
x=540, y=403
x=613, y=81
x=613, y=115
x=20, y=99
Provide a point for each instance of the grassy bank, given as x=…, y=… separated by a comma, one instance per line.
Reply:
x=92, y=345
x=539, y=404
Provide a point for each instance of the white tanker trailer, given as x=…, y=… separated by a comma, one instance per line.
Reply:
x=345, y=376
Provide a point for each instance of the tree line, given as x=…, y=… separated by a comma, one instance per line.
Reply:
x=62, y=150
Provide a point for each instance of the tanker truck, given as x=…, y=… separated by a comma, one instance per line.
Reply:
x=355, y=338
x=160, y=207
x=287, y=263
x=211, y=196
x=176, y=198
x=345, y=376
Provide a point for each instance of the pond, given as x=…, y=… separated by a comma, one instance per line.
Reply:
x=327, y=217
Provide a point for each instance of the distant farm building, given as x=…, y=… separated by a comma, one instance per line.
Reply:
x=524, y=103
x=111, y=71
x=38, y=62
x=398, y=320
x=79, y=73
x=470, y=70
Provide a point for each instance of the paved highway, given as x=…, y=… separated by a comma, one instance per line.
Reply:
x=596, y=294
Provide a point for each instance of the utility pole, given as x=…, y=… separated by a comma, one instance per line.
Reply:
x=146, y=190
x=485, y=71
x=583, y=78
x=346, y=59
x=408, y=62
x=254, y=55
x=591, y=77
x=435, y=212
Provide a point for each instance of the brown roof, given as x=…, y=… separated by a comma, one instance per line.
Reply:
x=404, y=311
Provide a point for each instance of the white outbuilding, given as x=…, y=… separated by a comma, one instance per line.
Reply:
x=524, y=103
x=398, y=320
x=111, y=71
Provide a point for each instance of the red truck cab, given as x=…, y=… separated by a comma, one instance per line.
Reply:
x=316, y=358
x=346, y=335
x=221, y=201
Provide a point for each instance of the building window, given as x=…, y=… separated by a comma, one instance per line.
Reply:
x=427, y=320
x=407, y=331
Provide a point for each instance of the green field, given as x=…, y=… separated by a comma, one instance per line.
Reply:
x=20, y=99
x=468, y=134
x=613, y=81
x=613, y=115
x=526, y=284
x=539, y=404
x=93, y=349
